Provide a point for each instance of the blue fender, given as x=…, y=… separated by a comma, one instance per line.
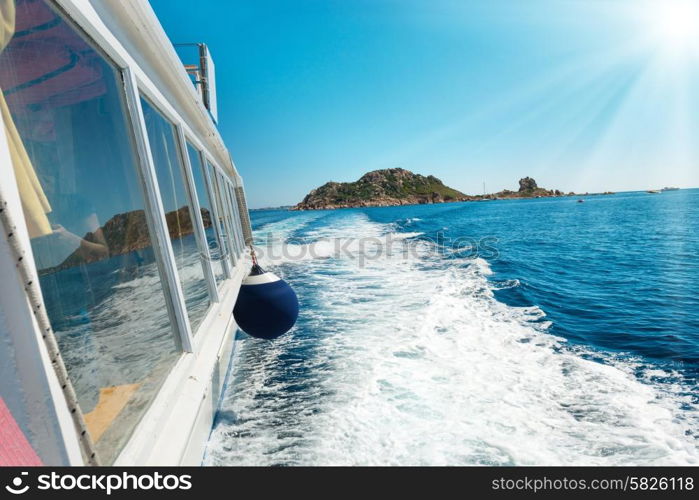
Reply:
x=267, y=306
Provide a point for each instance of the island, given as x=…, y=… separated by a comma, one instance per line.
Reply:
x=397, y=186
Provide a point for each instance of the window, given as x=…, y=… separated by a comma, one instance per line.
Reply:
x=243, y=212
x=220, y=208
x=238, y=217
x=229, y=218
x=207, y=213
x=178, y=213
x=236, y=220
x=225, y=214
x=73, y=159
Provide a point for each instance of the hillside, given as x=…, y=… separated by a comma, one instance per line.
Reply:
x=381, y=188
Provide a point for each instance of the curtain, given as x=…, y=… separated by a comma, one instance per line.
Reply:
x=34, y=202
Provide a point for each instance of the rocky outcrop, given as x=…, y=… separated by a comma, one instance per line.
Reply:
x=527, y=184
x=527, y=189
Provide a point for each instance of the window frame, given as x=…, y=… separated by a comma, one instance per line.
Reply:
x=227, y=272
x=238, y=228
x=155, y=212
x=134, y=85
x=211, y=186
x=228, y=220
x=185, y=170
x=238, y=232
x=234, y=220
x=215, y=186
x=137, y=80
x=195, y=212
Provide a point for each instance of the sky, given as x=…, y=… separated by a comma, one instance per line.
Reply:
x=582, y=95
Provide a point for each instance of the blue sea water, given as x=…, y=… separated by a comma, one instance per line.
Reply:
x=540, y=331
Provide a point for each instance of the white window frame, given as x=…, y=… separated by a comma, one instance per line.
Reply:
x=139, y=85
x=155, y=213
x=237, y=228
x=155, y=438
x=228, y=221
x=195, y=213
x=220, y=227
x=214, y=210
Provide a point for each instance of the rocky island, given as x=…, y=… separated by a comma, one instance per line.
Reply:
x=527, y=189
x=397, y=186
x=381, y=188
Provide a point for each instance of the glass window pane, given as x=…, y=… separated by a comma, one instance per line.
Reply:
x=168, y=168
x=238, y=218
x=234, y=228
x=207, y=213
x=243, y=216
x=220, y=208
x=76, y=173
x=227, y=219
x=236, y=221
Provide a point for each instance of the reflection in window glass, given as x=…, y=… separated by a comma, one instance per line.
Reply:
x=220, y=208
x=243, y=215
x=227, y=219
x=238, y=219
x=75, y=169
x=207, y=213
x=237, y=232
x=168, y=168
x=234, y=225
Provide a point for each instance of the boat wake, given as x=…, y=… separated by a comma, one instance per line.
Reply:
x=413, y=361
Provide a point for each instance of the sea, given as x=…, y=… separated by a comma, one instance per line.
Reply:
x=511, y=332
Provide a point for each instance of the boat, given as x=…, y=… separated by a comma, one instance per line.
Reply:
x=653, y=191
x=670, y=189
x=581, y=200
x=125, y=238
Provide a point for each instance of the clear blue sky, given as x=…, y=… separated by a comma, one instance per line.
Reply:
x=582, y=95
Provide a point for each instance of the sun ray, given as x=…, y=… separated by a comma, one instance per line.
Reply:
x=675, y=24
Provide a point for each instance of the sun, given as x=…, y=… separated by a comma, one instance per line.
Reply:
x=675, y=23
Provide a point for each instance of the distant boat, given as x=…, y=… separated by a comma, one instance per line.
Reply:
x=670, y=189
x=653, y=191
x=581, y=200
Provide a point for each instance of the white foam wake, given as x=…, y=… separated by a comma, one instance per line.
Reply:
x=414, y=361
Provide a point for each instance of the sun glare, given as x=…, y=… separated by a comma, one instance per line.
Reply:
x=675, y=23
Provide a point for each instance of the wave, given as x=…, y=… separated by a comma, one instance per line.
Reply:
x=405, y=236
x=413, y=361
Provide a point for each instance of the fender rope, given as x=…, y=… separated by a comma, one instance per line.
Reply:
x=33, y=293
